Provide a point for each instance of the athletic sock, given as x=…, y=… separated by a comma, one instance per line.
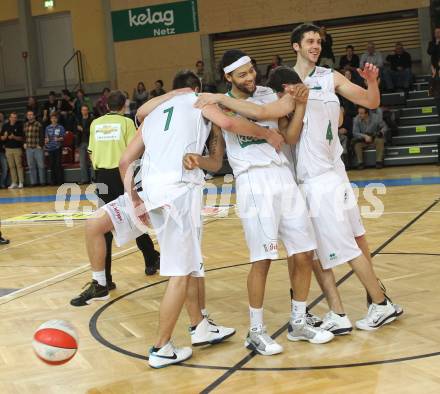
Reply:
x=298, y=309
x=99, y=276
x=256, y=316
x=204, y=312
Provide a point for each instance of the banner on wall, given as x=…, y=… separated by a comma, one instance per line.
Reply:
x=155, y=21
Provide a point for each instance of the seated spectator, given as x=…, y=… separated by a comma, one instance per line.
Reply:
x=434, y=48
x=12, y=137
x=51, y=105
x=349, y=61
x=33, y=145
x=276, y=62
x=373, y=57
x=345, y=132
x=54, y=137
x=32, y=105
x=399, y=74
x=3, y=161
x=82, y=131
x=158, y=89
x=259, y=77
x=140, y=94
x=80, y=100
x=327, y=58
x=368, y=129
x=101, y=104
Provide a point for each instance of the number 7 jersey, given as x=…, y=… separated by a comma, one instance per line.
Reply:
x=172, y=130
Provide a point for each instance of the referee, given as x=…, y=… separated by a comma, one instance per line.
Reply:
x=109, y=136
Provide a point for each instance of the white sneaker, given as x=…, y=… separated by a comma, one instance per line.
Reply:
x=399, y=309
x=208, y=333
x=259, y=340
x=377, y=316
x=313, y=320
x=13, y=186
x=168, y=355
x=208, y=176
x=299, y=330
x=337, y=325
x=20, y=186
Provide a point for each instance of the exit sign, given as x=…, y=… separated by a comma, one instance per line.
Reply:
x=49, y=3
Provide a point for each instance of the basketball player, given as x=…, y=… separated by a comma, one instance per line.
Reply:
x=271, y=208
x=320, y=162
x=171, y=200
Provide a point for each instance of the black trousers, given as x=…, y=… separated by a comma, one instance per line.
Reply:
x=56, y=168
x=112, y=179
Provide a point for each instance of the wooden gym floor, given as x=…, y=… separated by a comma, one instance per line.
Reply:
x=46, y=265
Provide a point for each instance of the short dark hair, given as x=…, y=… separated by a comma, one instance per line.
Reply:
x=66, y=92
x=299, y=31
x=282, y=75
x=54, y=113
x=200, y=62
x=116, y=100
x=365, y=108
x=52, y=93
x=186, y=79
x=350, y=47
x=160, y=81
x=229, y=57
x=105, y=90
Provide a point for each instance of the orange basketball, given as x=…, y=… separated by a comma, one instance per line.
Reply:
x=55, y=342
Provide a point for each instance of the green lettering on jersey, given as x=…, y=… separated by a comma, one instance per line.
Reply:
x=245, y=141
x=329, y=135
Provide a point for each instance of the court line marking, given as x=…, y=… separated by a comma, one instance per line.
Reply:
x=251, y=355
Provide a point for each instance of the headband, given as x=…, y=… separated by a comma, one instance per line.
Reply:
x=238, y=63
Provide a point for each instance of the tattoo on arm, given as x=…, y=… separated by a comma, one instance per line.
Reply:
x=213, y=143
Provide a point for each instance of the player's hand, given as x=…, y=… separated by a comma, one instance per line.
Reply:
x=275, y=139
x=191, y=161
x=299, y=92
x=368, y=139
x=370, y=72
x=139, y=209
x=207, y=99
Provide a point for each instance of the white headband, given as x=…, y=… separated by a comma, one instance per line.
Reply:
x=238, y=63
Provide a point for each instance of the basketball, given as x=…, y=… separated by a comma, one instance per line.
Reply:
x=55, y=342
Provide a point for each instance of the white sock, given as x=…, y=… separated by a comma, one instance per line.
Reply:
x=298, y=309
x=204, y=312
x=256, y=316
x=99, y=276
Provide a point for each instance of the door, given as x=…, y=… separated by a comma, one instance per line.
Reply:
x=55, y=47
x=12, y=68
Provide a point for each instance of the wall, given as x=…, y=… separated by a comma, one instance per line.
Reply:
x=88, y=33
x=8, y=10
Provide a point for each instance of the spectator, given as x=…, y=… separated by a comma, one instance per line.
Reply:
x=434, y=48
x=127, y=109
x=140, y=94
x=371, y=56
x=434, y=86
x=276, y=62
x=368, y=129
x=65, y=108
x=101, y=104
x=259, y=77
x=54, y=136
x=32, y=105
x=208, y=84
x=83, y=136
x=3, y=161
x=80, y=100
x=327, y=58
x=12, y=136
x=349, y=61
x=51, y=105
x=350, y=108
x=158, y=89
x=399, y=74
x=345, y=132
x=33, y=145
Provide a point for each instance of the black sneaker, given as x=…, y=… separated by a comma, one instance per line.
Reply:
x=3, y=241
x=151, y=269
x=94, y=292
x=111, y=286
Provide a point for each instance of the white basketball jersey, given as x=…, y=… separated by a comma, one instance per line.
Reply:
x=245, y=152
x=173, y=129
x=319, y=147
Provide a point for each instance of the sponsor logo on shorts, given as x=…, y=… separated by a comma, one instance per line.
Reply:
x=270, y=247
x=332, y=256
x=116, y=211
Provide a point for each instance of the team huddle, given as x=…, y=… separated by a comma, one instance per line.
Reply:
x=291, y=186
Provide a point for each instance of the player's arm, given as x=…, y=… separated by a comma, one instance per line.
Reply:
x=369, y=98
x=146, y=108
x=293, y=131
x=274, y=110
x=241, y=126
x=214, y=160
